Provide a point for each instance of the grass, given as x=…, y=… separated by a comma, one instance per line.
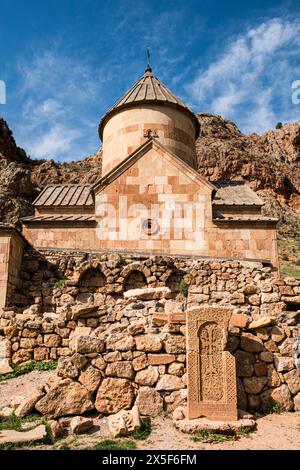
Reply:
x=14, y=423
x=213, y=437
x=143, y=432
x=28, y=367
x=61, y=282
x=290, y=272
x=117, y=444
x=183, y=287
x=273, y=408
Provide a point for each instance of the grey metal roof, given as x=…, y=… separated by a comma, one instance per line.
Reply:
x=58, y=218
x=148, y=89
x=57, y=195
x=232, y=193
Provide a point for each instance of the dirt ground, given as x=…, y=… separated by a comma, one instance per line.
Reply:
x=273, y=432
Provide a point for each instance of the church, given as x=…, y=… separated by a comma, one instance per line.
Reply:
x=152, y=198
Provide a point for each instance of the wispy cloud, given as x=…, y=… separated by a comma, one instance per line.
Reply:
x=59, y=95
x=250, y=81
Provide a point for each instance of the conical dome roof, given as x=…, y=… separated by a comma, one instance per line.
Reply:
x=148, y=90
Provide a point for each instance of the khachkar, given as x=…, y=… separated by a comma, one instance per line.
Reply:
x=211, y=370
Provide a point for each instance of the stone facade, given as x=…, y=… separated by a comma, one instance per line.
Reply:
x=74, y=307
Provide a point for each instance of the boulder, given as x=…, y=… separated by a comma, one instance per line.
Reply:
x=149, y=401
x=120, y=342
x=244, y=363
x=148, y=376
x=6, y=412
x=292, y=380
x=169, y=382
x=124, y=422
x=251, y=343
x=261, y=322
x=89, y=344
x=283, y=363
x=149, y=343
x=277, y=334
x=176, y=368
x=90, y=378
x=149, y=293
x=254, y=385
x=140, y=362
x=29, y=403
x=280, y=395
x=273, y=377
x=122, y=369
x=239, y=320
x=66, y=368
x=9, y=436
x=175, y=344
x=65, y=398
x=297, y=402
x=57, y=429
x=80, y=425
x=114, y=395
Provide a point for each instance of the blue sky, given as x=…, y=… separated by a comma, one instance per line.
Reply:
x=65, y=63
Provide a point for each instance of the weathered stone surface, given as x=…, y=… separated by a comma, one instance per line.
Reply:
x=120, y=342
x=254, y=385
x=244, y=363
x=266, y=356
x=66, y=368
x=261, y=322
x=5, y=367
x=65, y=398
x=193, y=425
x=271, y=346
x=140, y=362
x=29, y=403
x=251, y=343
x=22, y=355
x=160, y=359
x=6, y=412
x=239, y=320
x=136, y=328
x=37, y=434
x=113, y=356
x=90, y=378
x=147, y=376
x=277, y=334
x=150, y=293
x=124, y=422
x=89, y=344
x=242, y=401
x=292, y=380
x=273, y=377
x=148, y=343
x=175, y=344
x=149, y=401
x=260, y=369
x=169, y=382
x=121, y=369
x=280, y=395
x=52, y=341
x=283, y=363
x=79, y=360
x=297, y=402
x=176, y=368
x=254, y=299
x=80, y=425
x=114, y=395
x=57, y=429
x=270, y=297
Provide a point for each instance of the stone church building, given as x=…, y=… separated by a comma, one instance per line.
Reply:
x=151, y=197
x=154, y=289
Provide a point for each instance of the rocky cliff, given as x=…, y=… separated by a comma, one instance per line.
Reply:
x=269, y=163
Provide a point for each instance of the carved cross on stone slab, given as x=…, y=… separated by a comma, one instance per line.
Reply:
x=211, y=370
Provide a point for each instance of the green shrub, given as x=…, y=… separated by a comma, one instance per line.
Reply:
x=183, y=287
x=143, y=432
x=22, y=369
x=278, y=125
x=57, y=283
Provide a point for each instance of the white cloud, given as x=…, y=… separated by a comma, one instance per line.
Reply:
x=59, y=95
x=250, y=82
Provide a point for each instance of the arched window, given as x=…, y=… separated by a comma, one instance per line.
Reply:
x=135, y=280
x=92, y=279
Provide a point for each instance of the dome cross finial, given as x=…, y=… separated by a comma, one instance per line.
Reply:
x=148, y=68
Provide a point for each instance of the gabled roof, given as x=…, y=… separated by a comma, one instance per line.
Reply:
x=148, y=90
x=138, y=153
x=235, y=193
x=58, y=195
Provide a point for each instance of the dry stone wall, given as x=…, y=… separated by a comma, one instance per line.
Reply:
x=117, y=346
